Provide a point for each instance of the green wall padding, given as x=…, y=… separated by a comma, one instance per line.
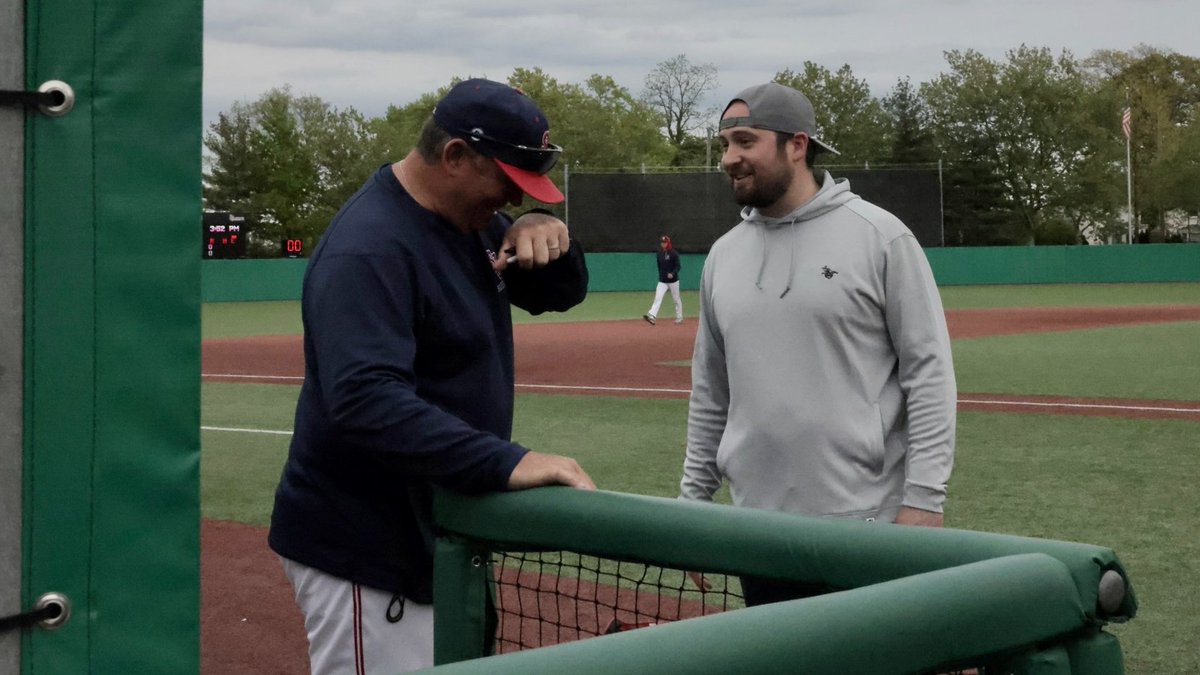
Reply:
x=638, y=271
x=1065, y=264
x=60, y=405
x=253, y=280
x=112, y=307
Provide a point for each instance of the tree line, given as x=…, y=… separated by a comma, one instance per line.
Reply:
x=1031, y=146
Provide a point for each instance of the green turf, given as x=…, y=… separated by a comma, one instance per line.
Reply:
x=246, y=319
x=257, y=406
x=611, y=306
x=239, y=469
x=227, y=319
x=625, y=444
x=1127, y=484
x=1069, y=295
x=1149, y=361
x=238, y=475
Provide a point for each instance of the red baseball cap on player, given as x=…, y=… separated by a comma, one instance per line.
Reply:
x=501, y=122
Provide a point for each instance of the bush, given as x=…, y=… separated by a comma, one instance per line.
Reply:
x=1055, y=233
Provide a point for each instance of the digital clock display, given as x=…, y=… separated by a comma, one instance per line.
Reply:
x=292, y=248
x=223, y=235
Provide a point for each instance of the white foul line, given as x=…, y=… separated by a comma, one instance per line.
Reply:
x=247, y=431
x=1032, y=404
x=254, y=377
x=656, y=390
x=1096, y=406
x=572, y=387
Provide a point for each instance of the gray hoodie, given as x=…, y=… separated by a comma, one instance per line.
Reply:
x=822, y=380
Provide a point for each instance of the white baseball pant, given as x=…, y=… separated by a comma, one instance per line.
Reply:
x=349, y=632
x=660, y=291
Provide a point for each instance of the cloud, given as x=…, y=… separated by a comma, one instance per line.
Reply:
x=368, y=54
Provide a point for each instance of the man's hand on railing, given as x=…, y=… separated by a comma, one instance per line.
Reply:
x=537, y=469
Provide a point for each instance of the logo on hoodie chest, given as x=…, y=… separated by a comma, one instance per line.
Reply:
x=827, y=273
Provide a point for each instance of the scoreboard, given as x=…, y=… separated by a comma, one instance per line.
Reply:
x=223, y=235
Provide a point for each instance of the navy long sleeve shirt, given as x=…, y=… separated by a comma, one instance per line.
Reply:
x=668, y=266
x=408, y=383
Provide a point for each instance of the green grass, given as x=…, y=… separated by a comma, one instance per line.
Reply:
x=1069, y=295
x=625, y=444
x=246, y=319
x=1148, y=361
x=230, y=319
x=1127, y=484
x=611, y=307
x=258, y=406
x=238, y=475
x=239, y=470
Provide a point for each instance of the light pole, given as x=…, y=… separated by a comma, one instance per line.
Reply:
x=708, y=135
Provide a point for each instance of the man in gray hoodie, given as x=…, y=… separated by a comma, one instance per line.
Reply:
x=822, y=382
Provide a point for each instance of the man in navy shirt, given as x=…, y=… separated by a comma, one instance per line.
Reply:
x=408, y=377
x=668, y=279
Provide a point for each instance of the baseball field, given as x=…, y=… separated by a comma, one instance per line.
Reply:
x=1079, y=419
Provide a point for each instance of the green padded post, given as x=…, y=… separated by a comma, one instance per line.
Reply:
x=1096, y=653
x=910, y=625
x=460, y=588
x=111, y=503
x=716, y=538
x=1050, y=661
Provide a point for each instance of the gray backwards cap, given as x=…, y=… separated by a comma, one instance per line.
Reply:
x=777, y=108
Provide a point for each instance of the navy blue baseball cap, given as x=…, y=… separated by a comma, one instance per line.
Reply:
x=501, y=122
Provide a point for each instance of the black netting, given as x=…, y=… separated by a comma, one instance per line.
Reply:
x=547, y=598
x=611, y=212
x=550, y=597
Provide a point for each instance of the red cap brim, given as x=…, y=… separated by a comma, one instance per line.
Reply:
x=533, y=184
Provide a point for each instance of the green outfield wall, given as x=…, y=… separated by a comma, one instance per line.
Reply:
x=251, y=280
x=1065, y=264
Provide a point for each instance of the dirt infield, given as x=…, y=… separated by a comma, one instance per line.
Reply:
x=631, y=358
x=249, y=621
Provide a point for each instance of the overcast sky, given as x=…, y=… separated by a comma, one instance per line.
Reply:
x=368, y=54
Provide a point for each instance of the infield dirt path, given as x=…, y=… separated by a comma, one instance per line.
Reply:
x=249, y=621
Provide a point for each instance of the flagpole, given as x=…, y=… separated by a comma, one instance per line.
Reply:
x=1126, y=127
x=1129, y=185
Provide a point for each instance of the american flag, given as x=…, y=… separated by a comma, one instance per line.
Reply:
x=1126, y=119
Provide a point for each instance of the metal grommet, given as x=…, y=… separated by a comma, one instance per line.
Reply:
x=64, y=610
x=1111, y=593
x=476, y=561
x=64, y=98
